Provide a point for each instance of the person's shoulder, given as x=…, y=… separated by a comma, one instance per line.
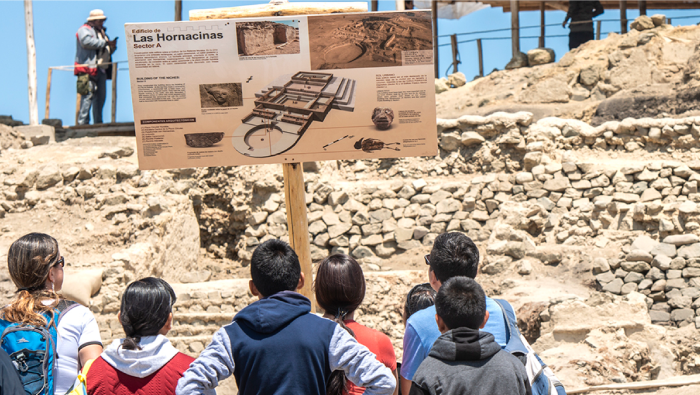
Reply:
x=423, y=321
x=182, y=360
x=76, y=313
x=505, y=358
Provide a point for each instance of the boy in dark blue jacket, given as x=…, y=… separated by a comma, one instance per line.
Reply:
x=276, y=346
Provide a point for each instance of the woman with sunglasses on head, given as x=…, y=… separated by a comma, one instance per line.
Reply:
x=36, y=268
x=340, y=289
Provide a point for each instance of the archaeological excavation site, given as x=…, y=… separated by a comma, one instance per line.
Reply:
x=578, y=181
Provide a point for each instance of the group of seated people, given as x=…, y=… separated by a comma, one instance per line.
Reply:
x=452, y=344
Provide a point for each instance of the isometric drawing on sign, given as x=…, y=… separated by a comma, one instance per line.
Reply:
x=287, y=107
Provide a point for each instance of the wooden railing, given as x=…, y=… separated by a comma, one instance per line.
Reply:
x=115, y=67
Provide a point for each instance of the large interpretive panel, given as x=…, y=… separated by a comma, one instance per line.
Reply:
x=282, y=89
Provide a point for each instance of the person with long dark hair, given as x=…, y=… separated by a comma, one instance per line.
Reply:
x=36, y=268
x=340, y=289
x=144, y=362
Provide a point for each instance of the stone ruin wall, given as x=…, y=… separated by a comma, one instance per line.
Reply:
x=254, y=37
x=504, y=180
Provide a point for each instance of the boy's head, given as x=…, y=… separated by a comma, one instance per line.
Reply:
x=460, y=303
x=275, y=268
x=453, y=254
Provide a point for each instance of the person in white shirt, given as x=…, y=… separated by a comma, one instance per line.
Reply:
x=36, y=268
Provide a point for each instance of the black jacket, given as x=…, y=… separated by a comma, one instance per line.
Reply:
x=465, y=361
x=582, y=13
x=10, y=383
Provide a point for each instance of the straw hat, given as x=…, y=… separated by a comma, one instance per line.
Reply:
x=96, y=15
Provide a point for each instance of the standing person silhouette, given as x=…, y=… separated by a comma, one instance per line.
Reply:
x=581, y=14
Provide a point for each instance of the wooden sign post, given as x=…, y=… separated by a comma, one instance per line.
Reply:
x=294, y=191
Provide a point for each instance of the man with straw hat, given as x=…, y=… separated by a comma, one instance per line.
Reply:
x=93, y=66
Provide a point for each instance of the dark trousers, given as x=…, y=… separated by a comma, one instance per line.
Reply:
x=578, y=38
x=94, y=99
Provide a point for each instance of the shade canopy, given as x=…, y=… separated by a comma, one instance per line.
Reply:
x=452, y=9
x=530, y=5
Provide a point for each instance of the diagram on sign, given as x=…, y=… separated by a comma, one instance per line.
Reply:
x=285, y=109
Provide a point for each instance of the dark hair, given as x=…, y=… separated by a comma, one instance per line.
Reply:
x=146, y=305
x=340, y=289
x=460, y=303
x=454, y=254
x=29, y=262
x=419, y=297
x=275, y=267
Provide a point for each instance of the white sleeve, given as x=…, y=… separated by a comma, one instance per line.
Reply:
x=90, y=333
x=361, y=367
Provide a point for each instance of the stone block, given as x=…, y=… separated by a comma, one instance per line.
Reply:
x=679, y=240
x=659, y=316
x=615, y=286
x=639, y=255
x=38, y=134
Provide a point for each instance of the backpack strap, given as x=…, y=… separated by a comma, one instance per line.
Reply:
x=64, y=306
x=514, y=344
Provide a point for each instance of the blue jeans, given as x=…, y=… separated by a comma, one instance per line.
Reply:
x=94, y=99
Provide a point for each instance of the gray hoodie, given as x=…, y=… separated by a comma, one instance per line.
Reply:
x=466, y=361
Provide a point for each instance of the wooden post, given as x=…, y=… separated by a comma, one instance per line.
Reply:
x=178, y=10
x=48, y=93
x=455, y=52
x=668, y=21
x=623, y=16
x=31, y=63
x=298, y=223
x=400, y=5
x=515, y=25
x=77, y=107
x=542, y=24
x=114, y=92
x=375, y=5
x=481, y=57
x=597, y=30
x=642, y=7
x=434, y=9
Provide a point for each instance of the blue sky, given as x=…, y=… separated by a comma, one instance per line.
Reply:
x=55, y=24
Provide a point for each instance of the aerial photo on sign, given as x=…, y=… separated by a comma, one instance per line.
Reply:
x=282, y=89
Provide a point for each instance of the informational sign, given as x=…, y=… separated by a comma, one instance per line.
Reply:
x=282, y=89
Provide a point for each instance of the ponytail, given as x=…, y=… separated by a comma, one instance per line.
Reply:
x=29, y=261
x=145, y=307
x=337, y=382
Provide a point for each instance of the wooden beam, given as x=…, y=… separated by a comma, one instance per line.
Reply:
x=277, y=10
x=597, y=30
x=375, y=5
x=298, y=224
x=178, y=10
x=434, y=9
x=623, y=16
x=31, y=63
x=481, y=57
x=642, y=7
x=542, y=24
x=400, y=5
x=114, y=92
x=77, y=107
x=677, y=381
x=515, y=26
x=48, y=94
x=455, y=52
x=558, y=5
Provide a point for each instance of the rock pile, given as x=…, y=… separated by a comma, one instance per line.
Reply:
x=666, y=272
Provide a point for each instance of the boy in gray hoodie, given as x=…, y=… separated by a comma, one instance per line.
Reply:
x=464, y=360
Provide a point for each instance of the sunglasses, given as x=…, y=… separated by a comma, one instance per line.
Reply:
x=61, y=262
x=427, y=259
